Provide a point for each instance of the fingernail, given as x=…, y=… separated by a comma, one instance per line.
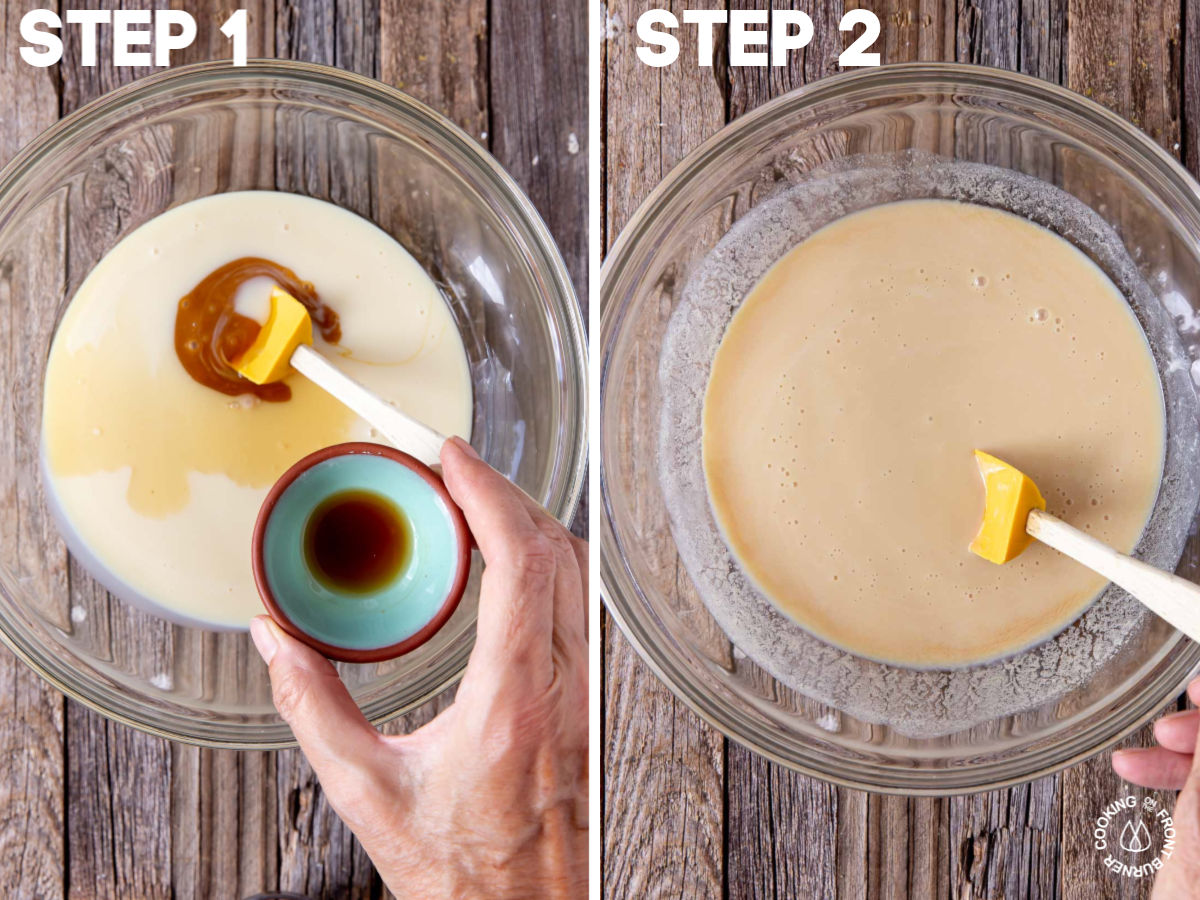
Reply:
x=1129, y=752
x=1183, y=713
x=465, y=447
x=263, y=633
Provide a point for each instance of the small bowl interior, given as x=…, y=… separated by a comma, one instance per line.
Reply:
x=195, y=131
x=850, y=124
x=390, y=618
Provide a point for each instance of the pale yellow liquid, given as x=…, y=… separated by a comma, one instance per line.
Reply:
x=161, y=478
x=851, y=387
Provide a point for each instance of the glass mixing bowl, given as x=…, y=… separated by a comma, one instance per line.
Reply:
x=77, y=189
x=948, y=115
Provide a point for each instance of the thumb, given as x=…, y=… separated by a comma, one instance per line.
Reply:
x=1193, y=784
x=306, y=689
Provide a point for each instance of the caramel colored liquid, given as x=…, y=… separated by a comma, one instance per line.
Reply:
x=356, y=542
x=210, y=333
x=850, y=389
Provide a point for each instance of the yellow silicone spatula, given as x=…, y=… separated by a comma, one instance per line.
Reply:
x=1014, y=513
x=284, y=343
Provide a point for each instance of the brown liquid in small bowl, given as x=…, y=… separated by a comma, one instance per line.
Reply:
x=357, y=542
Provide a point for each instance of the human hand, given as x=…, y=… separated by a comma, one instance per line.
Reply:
x=1173, y=765
x=490, y=798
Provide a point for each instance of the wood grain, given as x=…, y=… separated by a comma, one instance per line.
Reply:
x=537, y=93
x=1190, y=126
x=440, y=58
x=316, y=854
x=536, y=77
x=32, y=792
x=1132, y=64
x=654, y=747
x=224, y=827
x=1127, y=56
x=1028, y=841
x=95, y=809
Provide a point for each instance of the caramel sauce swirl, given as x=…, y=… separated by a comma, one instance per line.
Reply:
x=210, y=333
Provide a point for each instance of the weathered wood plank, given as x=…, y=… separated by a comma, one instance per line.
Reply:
x=987, y=33
x=913, y=29
x=1086, y=790
x=1042, y=48
x=853, y=845
x=786, y=833
x=120, y=776
x=210, y=15
x=224, y=831
x=780, y=836
x=119, y=784
x=538, y=105
x=1004, y=843
x=440, y=58
x=1190, y=126
x=32, y=793
x=357, y=36
x=223, y=823
x=1126, y=56
x=82, y=84
x=32, y=840
x=306, y=31
x=116, y=815
x=751, y=85
x=906, y=853
x=653, y=746
x=317, y=855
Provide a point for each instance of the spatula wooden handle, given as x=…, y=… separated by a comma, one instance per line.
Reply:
x=403, y=432
x=1172, y=598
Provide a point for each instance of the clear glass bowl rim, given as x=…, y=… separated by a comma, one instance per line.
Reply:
x=447, y=137
x=1169, y=671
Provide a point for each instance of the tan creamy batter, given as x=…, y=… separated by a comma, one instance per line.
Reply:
x=850, y=389
x=160, y=478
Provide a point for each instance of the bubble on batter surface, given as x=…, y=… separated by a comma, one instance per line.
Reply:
x=980, y=700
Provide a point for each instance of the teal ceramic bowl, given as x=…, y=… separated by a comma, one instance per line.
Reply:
x=405, y=604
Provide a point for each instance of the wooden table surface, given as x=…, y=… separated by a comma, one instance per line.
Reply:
x=89, y=808
x=697, y=815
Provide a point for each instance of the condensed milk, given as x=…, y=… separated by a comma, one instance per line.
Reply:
x=156, y=477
